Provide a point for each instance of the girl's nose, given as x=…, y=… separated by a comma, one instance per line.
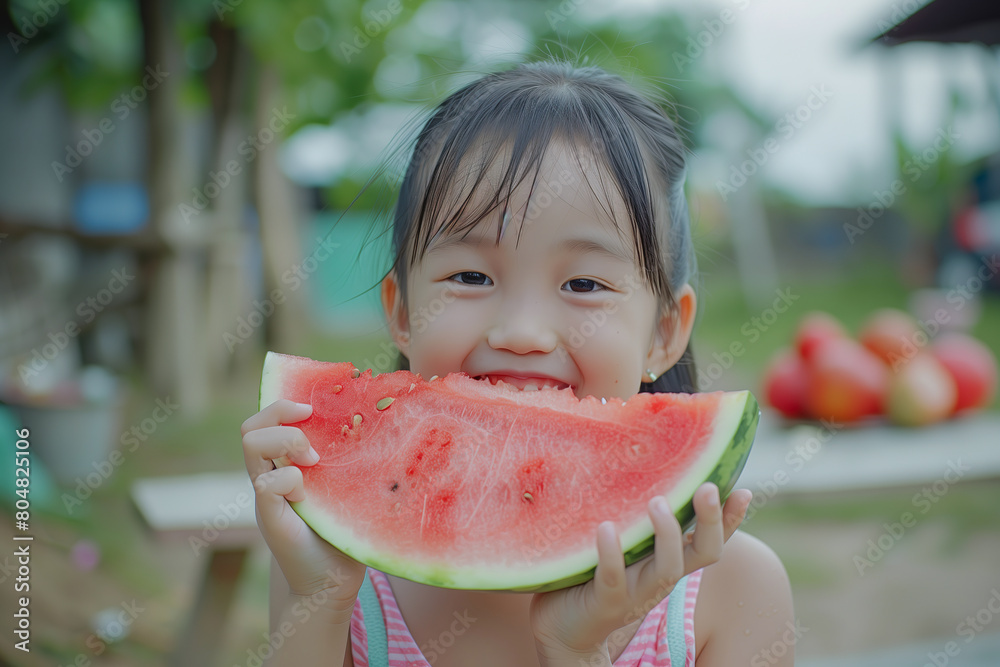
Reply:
x=522, y=333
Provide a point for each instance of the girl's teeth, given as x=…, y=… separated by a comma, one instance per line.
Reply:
x=532, y=386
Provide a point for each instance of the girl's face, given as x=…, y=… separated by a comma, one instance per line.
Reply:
x=566, y=307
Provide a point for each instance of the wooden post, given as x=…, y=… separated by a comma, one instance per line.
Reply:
x=280, y=224
x=199, y=641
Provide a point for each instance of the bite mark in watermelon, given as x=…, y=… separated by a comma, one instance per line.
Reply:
x=459, y=483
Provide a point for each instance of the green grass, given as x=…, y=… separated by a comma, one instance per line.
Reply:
x=724, y=312
x=355, y=349
x=967, y=512
x=805, y=572
x=967, y=508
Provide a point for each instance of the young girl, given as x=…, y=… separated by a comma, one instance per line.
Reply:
x=537, y=200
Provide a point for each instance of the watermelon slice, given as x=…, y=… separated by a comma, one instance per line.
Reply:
x=459, y=483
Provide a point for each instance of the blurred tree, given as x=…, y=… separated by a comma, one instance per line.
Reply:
x=930, y=173
x=933, y=185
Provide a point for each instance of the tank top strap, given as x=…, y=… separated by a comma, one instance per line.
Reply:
x=378, y=642
x=676, y=612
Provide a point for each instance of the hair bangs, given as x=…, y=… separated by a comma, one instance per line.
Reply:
x=479, y=154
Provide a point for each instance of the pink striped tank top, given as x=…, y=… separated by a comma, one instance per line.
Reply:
x=648, y=647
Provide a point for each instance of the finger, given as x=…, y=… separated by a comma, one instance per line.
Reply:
x=609, y=578
x=273, y=488
x=281, y=411
x=666, y=566
x=733, y=514
x=706, y=544
x=263, y=445
x=735, y=510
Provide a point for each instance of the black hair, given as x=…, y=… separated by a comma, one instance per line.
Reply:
x=521, y=111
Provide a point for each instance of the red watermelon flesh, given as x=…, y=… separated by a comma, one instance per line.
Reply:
x=460, y=483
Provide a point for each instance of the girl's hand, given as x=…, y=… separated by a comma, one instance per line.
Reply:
x=310, y=564
x=577, y=621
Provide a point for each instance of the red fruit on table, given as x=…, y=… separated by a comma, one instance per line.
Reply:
x=973, y=367
x=814, y=329
x=921, y=392
x=785, y=384
x=890, y=333
x=846, y=381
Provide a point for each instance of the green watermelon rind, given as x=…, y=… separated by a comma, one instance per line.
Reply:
x=721, y=462
x=724, y=475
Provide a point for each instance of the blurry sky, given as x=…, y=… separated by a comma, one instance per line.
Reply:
x=774, y=51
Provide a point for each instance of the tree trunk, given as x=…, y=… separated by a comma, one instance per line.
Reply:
x=752, y=247
x=280, y=226
x=175, y=339
x=228, y=294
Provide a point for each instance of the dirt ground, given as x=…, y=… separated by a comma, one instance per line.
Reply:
x=864, y=584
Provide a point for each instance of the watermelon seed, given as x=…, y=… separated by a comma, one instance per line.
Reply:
x=395, y=485
x=383, y=403
x=355, y=373
x=528, y=497
x=433, y=377
x=635, y=449
x=357, y=421
x=412, y=385
x=336, y=388
x=395, y=508
x=603, y=401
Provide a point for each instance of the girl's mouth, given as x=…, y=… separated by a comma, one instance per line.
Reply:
x=525, y=383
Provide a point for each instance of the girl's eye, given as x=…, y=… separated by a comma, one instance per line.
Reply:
x=473, y=278
x=583, y=285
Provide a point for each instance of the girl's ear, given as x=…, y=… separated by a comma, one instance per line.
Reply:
x=395, y=313
x=673, y=332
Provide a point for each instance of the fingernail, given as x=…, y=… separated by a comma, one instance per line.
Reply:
x=609, y=529
x=304, y=405
x=312, y=456
x=713, y=499
x=661, y=506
